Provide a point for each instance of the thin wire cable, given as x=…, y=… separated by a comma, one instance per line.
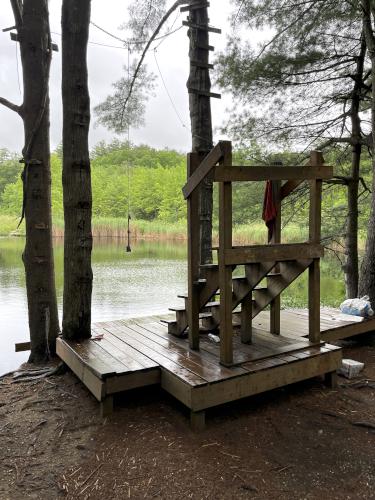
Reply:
x=134, y=42
x=168, y=93
x=97, y=43
x=171, y=28
x=108, y=33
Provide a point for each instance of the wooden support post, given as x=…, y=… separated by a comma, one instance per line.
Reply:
x=106, y=406
x=197, y=420
x=330, y=379
x=193, y=255
x=276, y=238
x=225, y=271
x=246, y=319
x=316, y=159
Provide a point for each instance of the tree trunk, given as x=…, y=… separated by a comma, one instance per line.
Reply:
x=201, y=123
x=76, y=171
x=351, y=240
x=367, y=275
x=35, y=45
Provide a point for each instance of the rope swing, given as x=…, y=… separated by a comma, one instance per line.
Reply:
x=128, y=247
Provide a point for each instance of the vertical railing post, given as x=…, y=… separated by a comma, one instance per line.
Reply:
x=316, y=159
x=193, y=256
x=276, y=238
x=225, y=272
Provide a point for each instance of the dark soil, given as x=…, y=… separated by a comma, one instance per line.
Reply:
x=300, y=442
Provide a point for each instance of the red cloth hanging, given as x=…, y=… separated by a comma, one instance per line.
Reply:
x=269, y=209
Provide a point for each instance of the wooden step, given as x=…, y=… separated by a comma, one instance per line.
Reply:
x=277, y=283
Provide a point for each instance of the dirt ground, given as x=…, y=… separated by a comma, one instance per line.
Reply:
x=301, y=442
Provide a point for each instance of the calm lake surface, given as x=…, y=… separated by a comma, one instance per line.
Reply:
x=140, y=283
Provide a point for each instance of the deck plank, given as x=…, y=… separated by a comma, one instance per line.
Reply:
x=126, y=335
x=130, y=356
x=97, y=359
x=215, y=371
x=210, y=372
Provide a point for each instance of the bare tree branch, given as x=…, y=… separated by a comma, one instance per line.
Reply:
x=152, y=38
x=10, y=105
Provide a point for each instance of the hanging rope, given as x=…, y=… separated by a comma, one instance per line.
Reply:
x=128, y=247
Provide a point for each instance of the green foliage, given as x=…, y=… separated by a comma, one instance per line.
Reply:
x=150, y=181
x=296, y=88
x=119, y=111
x=10, y=169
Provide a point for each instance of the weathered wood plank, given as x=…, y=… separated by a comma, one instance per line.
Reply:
x=205, y=367
x=225, y=272
x=193, y=256
x=160, y=355
x=131, y=357
x=280, y=252
x=133, y=380
x=96, y=358
x=204, y=169
x=255, y=383
x=92, y=381
x=242, y=173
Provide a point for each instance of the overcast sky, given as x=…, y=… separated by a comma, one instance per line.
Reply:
x=163, y=128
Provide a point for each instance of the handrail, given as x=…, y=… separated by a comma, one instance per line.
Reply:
x=217, y=153
x=233, y=173
x=208, y=163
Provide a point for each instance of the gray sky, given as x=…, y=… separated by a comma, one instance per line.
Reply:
x=163, y=128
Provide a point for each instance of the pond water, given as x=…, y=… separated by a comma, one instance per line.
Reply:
x=145, y=281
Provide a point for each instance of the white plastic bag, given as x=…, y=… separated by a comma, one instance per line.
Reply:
x=357, y=307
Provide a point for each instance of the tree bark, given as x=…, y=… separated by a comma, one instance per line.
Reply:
x=201, y=122
x=351, y=240
x=367, y=274
x=32, y=22
x=76, y=171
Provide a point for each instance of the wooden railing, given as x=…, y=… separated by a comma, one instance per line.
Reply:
x=218, y=165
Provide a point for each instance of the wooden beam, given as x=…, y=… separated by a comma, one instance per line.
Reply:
x=205, y=47
x=201, y=27
x=193, y=256
x=275, y=305
x=246, y=319
x=22, y=346
x=246, y=173
x=204, y=168
x=276, y=253
x=204, y=92
x=260, y=381
x=194, y=6
x=225, y=272
x=197, y=420
x=16, y=38
x=200, y=64
x=315, y=221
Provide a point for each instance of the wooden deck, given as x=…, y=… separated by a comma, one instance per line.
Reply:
x=128, y=354
x=333, y=324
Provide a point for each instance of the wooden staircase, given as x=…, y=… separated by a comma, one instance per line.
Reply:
x=261, y=285
x=215, y=298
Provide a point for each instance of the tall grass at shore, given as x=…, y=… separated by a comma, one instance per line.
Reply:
x=108, y=227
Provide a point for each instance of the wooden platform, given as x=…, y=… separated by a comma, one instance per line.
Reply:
x=128, y=354
x=333, y=324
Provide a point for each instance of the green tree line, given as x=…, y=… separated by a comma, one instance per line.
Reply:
x=149, y=181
